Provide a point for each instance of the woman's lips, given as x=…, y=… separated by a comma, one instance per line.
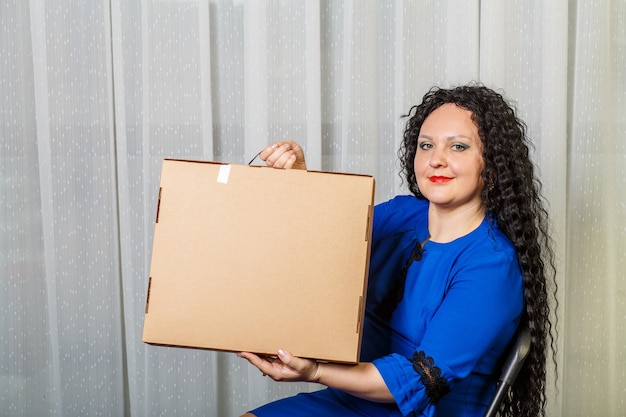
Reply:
x=439, y=180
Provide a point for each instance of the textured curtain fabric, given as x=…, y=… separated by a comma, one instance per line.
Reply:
x=94, y=94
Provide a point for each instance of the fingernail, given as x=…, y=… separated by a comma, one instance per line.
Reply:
x=281, y=352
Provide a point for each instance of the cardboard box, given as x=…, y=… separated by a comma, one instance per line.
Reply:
x=249, y=258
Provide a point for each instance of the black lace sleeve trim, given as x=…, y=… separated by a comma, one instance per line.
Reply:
x=430, y=375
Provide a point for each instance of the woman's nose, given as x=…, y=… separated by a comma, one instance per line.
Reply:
x=437, y=158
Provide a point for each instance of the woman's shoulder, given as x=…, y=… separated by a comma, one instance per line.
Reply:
x=492, y=230
x=403, y=204
x=487, y=244
x=399, y=215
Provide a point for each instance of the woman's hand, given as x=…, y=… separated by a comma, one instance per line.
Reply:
x=285, y=367
x=286, y=154
x=361, y=380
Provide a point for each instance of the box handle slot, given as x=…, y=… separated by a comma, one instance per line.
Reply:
x=158, y=205
x=148, y=294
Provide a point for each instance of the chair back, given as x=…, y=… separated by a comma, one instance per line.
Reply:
x=512, y=365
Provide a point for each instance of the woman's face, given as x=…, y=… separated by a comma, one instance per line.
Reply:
x=448, y=161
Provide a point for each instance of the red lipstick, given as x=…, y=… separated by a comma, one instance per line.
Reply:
x=439, y=179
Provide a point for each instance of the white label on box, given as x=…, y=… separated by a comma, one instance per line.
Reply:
x=223, y=174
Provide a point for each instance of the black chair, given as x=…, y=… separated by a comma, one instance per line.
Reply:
x=510, y=369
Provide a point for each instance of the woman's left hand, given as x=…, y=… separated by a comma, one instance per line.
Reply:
x=285, y=367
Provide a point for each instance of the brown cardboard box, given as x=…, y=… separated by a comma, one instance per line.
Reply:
x=256, y=259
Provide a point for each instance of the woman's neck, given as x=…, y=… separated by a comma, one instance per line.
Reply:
x=447, y=225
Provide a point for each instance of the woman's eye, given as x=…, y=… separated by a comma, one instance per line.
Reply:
x=459, y=147
x=424, y=145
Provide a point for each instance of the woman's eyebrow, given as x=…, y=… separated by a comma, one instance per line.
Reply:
x=452, y=137
x=460, y=137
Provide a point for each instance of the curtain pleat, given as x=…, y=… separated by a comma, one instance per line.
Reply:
x=595, y=306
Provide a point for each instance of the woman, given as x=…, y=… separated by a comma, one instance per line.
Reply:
x=454, y=269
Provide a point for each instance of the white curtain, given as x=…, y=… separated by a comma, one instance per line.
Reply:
x=94, y=94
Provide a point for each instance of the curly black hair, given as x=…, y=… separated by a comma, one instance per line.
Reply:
x=512, y=195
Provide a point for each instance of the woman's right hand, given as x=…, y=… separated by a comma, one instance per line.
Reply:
x=287, y=154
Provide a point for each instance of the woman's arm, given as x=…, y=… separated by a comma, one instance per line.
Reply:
x=361, y=380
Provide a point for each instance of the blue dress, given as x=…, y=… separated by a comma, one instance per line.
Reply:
x=439, y=353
